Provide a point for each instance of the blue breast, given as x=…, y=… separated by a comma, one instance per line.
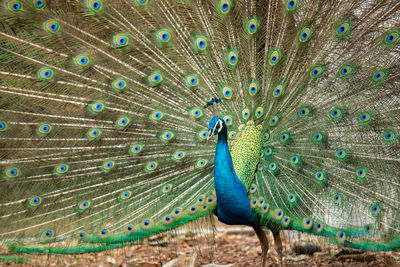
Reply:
x=233, y=204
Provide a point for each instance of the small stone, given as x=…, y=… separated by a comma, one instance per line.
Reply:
x=111, y=260
x=296, y=258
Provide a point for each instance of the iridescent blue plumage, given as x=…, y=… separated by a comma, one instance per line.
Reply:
x=233, y=206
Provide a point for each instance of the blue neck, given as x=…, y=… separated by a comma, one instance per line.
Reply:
x=233, y=205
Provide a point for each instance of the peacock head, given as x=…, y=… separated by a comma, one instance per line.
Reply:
x=216, y=126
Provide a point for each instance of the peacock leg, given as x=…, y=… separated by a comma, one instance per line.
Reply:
x=264, y=243
x=278, y=245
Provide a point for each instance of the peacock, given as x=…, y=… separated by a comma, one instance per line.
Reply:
x=123, y=119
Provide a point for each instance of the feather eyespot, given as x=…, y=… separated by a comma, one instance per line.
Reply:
x=14, y=6
x=166, y=188
x=125, y=195
x=337, y=199
x=121, y=40
x=295, y=161
x=305, y=34
x=201, y=200
x=81, y=235
x=156, y=116
x=361, y=174
x=278, y=90
x=274, y=120
x=375, y=210
x=307, y=223
x=155, y=78
x=164, y=36
x=228, y=120
x=336, y=113
x=51, y=26
x=108, y=165
x=264, y=208
x=278, y=214
x=94, y=133
x=192, y=210
x=34, y=201
x=200, y=43
x=269, y=152
x=49, y=234
x=273, y=167
x=274, y=56
x=318, y=138
x=316, y=72
x=253, y=88
x=44, y=129
x=345, y=71
x=95, y=5
x=192, y=80
x=167, y=136
x=320, y=176
x=343, y=29
x=196, y=113
x=11, y=173
x=392, y=37
x=389, y=137
x=364, y=118
x=341, y=154
x=304, y=112
x=119, y=84
x=291, y=5
x=96, y=107
x=266, y=136
x=251, y=26
x=224, y=6
x=61, y=169
x=45, y=74
x=82, y=61
x=135, y=149
x=232, y=58
x=201, y=163
x=245, y=113
x=285, y=221
x=202, y=135
x=147, y=224
x=211, y=200
x=39, y=4
x=151, y=166
x=3, y=126
x=142, y=2
x=379, y=76
x=129, y=229
x=178, y=155
x=318, y=227
x=167, y=220
x=292, y=199
x=285, y=138
x=123, y=122
x=177, y=212
x=83, y=205
x=104, y=233
x=259, y=112
x=253, y=202
x=227, y=92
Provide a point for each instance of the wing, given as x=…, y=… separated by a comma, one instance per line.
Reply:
x=102, y=121
x=330, y=158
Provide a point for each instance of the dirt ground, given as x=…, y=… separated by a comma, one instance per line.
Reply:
x=231, y=246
